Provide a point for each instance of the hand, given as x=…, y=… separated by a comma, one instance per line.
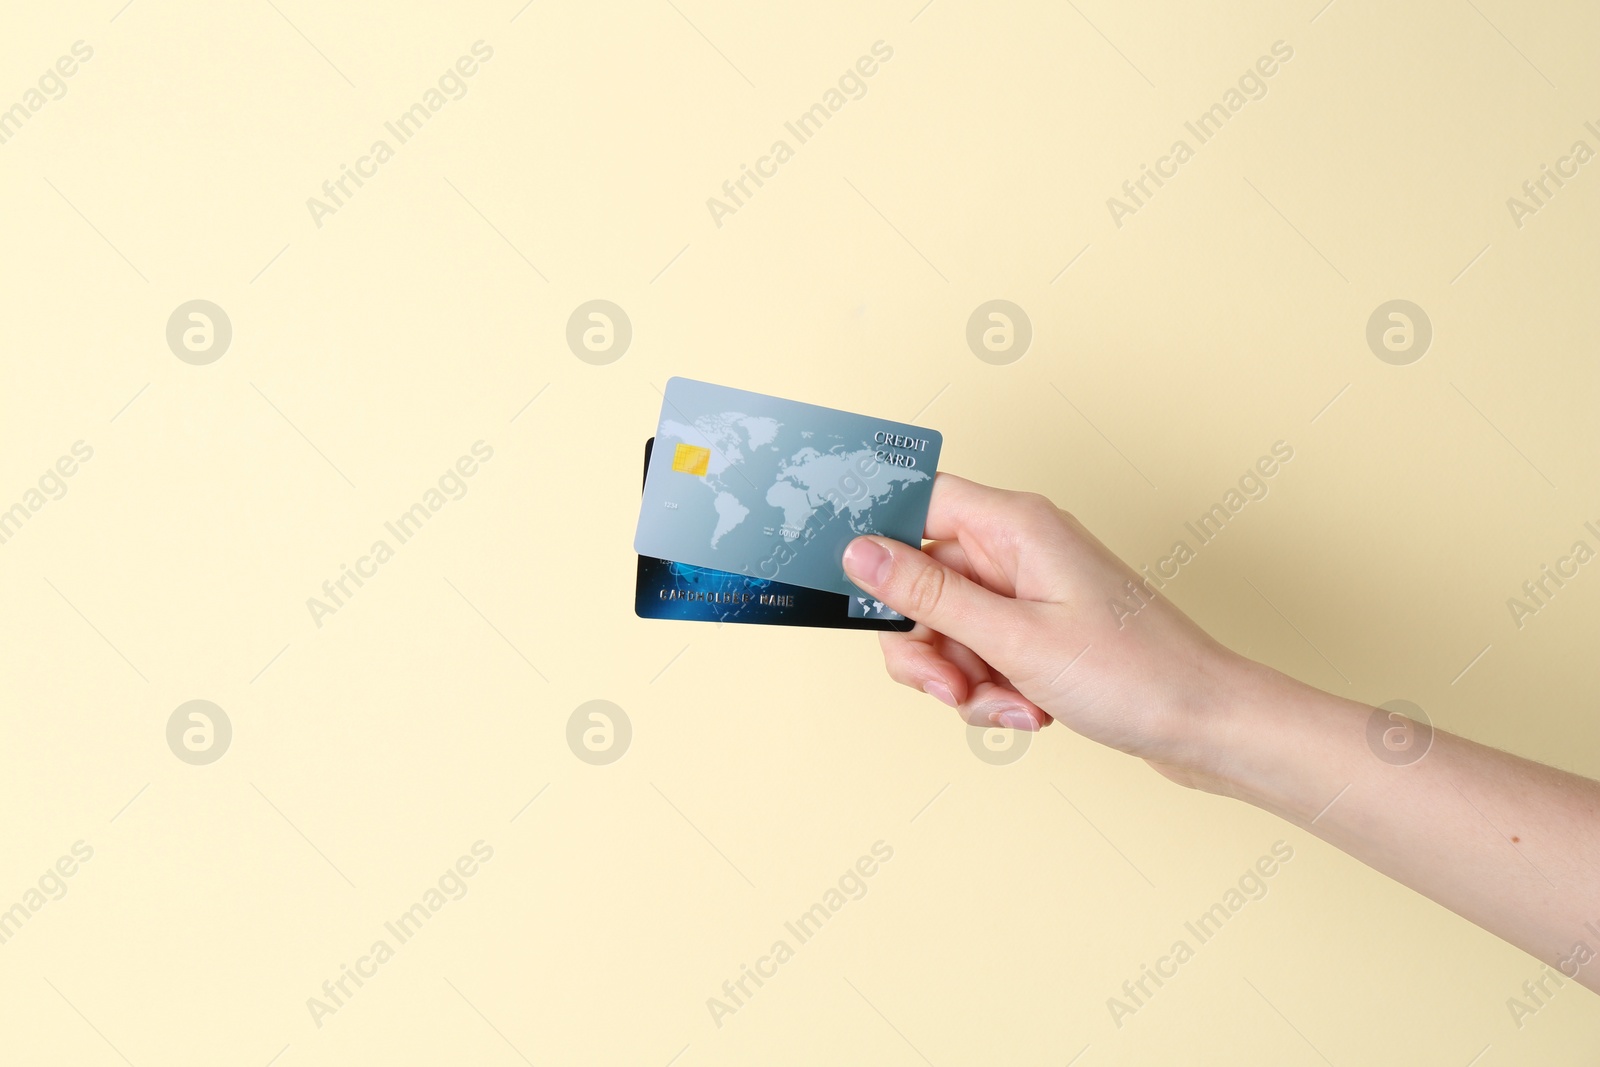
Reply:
x=1022, y=616
x=1018, y=623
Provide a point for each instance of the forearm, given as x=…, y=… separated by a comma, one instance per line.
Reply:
x=1508, y=844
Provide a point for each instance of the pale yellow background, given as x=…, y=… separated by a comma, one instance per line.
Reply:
x=370, y=753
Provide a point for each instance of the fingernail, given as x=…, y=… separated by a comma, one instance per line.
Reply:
x=1017, y=719
x=940, y=692
x=867, y=562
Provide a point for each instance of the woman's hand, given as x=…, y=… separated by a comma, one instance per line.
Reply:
x=1024, y=617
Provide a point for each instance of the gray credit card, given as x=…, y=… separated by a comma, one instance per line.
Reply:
x=776, y=489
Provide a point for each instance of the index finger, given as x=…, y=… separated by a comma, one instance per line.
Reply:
x=965, y=511
x=959, y=504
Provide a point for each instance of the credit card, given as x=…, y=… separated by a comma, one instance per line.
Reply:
x=770, y=488
x=668, y=590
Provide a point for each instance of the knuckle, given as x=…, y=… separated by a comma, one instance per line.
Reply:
x=1040, y=506
x=973, y=716
x=908, y=662
x=899, y=666
x=925, y=591
x=900, y=673
x=1037, y=512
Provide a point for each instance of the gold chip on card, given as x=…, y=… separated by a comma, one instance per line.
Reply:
x=691, y=459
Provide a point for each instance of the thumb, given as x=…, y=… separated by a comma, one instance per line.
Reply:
x=920, y=587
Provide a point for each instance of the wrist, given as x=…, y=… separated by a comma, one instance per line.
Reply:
x=1259, y=736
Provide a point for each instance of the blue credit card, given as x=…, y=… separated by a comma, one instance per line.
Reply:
x=668, y=590
x=772, y=488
